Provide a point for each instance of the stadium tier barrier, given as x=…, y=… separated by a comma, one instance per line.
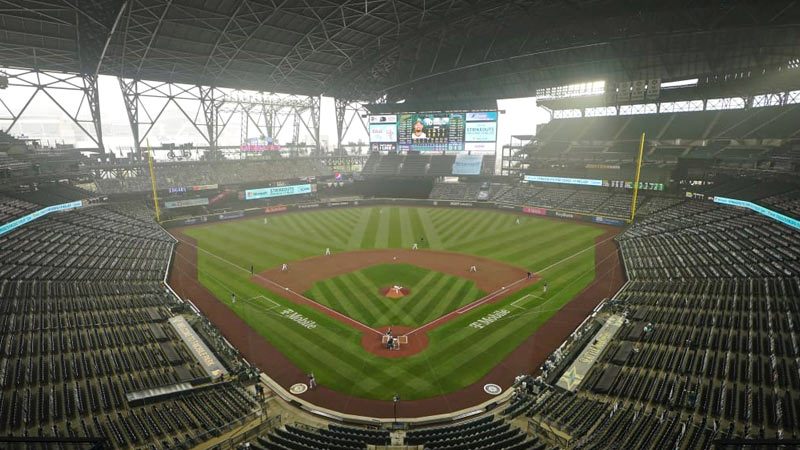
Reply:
x=251, y=212
x=784, y=219
x=14, y=224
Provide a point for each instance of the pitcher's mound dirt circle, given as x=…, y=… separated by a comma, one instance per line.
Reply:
x=395, y=291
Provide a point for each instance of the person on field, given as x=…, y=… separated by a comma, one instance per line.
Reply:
x=233, y=297
x=544, y=288
x=414, y=247
x=327, y=250
x=251, y=269
x=473, y=269
x=265, y=220
x=312, y=382
x=529, y=275
x=517, y=220
x=285, y=267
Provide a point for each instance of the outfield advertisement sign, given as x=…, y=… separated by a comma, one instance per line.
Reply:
x=278, y=191
x=185, y=203
x=562, y=180
x=532, y=210
x=784, y=219
x=5, y=228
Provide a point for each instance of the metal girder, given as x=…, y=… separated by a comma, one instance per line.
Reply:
x=347, y=111
x=203, y=116
x=48, y=84
x=244, y=22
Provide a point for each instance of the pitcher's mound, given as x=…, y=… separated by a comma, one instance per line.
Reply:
x=395, y=291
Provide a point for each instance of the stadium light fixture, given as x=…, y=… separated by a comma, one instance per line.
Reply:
x=680, y=83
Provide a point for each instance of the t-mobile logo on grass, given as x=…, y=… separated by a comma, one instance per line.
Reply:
x=482, y=322
x=300, y=320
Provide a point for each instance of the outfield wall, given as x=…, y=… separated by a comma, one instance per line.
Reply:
x=254, y=212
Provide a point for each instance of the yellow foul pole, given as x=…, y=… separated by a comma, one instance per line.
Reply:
x=636, y=183
x=153, y=181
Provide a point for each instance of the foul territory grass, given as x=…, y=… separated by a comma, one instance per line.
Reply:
x=357, y=295
x=458, y=355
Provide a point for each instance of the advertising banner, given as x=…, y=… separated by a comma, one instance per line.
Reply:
x=383, y=118
x=279, y=191
x=467, y=164
x=487, y=116
x=382, y=132
x=561, y=180
x=532, y=210
x=186, y=203
x=480, y=132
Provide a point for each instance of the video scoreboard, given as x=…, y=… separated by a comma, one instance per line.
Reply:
x=434, y=132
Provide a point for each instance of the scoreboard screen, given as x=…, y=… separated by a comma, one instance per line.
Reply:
x=435, y=131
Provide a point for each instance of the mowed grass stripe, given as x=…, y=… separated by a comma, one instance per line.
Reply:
x=326, y=233
x=504, y=237
x=368, y=241
x=481, y=218
x=407, y=234
x=395, y=235
x=431, y=236
x=452, y=296
x=360, y=227
x=417, y=230
x=420, y=309
x=339, y=225
x=337, y=295
x=366, y=295
x=382, y=233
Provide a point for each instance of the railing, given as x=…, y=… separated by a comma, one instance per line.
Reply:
x=266, y=425
x=263, y=428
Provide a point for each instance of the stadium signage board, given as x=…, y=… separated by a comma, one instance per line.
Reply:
x=274, y=209
x=563, y=180
x=532, y=210
x=278, y=191
x=448, y=131
x=185, y=203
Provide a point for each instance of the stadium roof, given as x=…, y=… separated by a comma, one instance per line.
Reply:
x=407, y=49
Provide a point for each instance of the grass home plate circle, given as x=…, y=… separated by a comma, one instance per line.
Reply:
x=395, y=291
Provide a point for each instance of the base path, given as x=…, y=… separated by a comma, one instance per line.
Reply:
x=526, y=358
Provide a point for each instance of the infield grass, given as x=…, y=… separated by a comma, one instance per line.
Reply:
x=458, y=355
x=357, y=295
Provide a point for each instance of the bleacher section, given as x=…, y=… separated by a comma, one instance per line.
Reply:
x=84, y=320
x=587, y=201
x=13, y=208
x=710, y=346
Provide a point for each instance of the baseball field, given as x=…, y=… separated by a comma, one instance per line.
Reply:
x=328, y=313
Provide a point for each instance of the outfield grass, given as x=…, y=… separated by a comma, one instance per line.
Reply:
x=458, y=354
x=357, y=295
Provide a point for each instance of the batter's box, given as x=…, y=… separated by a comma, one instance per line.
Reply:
x=525, y=299
x=402, y=340
x=271, y=303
